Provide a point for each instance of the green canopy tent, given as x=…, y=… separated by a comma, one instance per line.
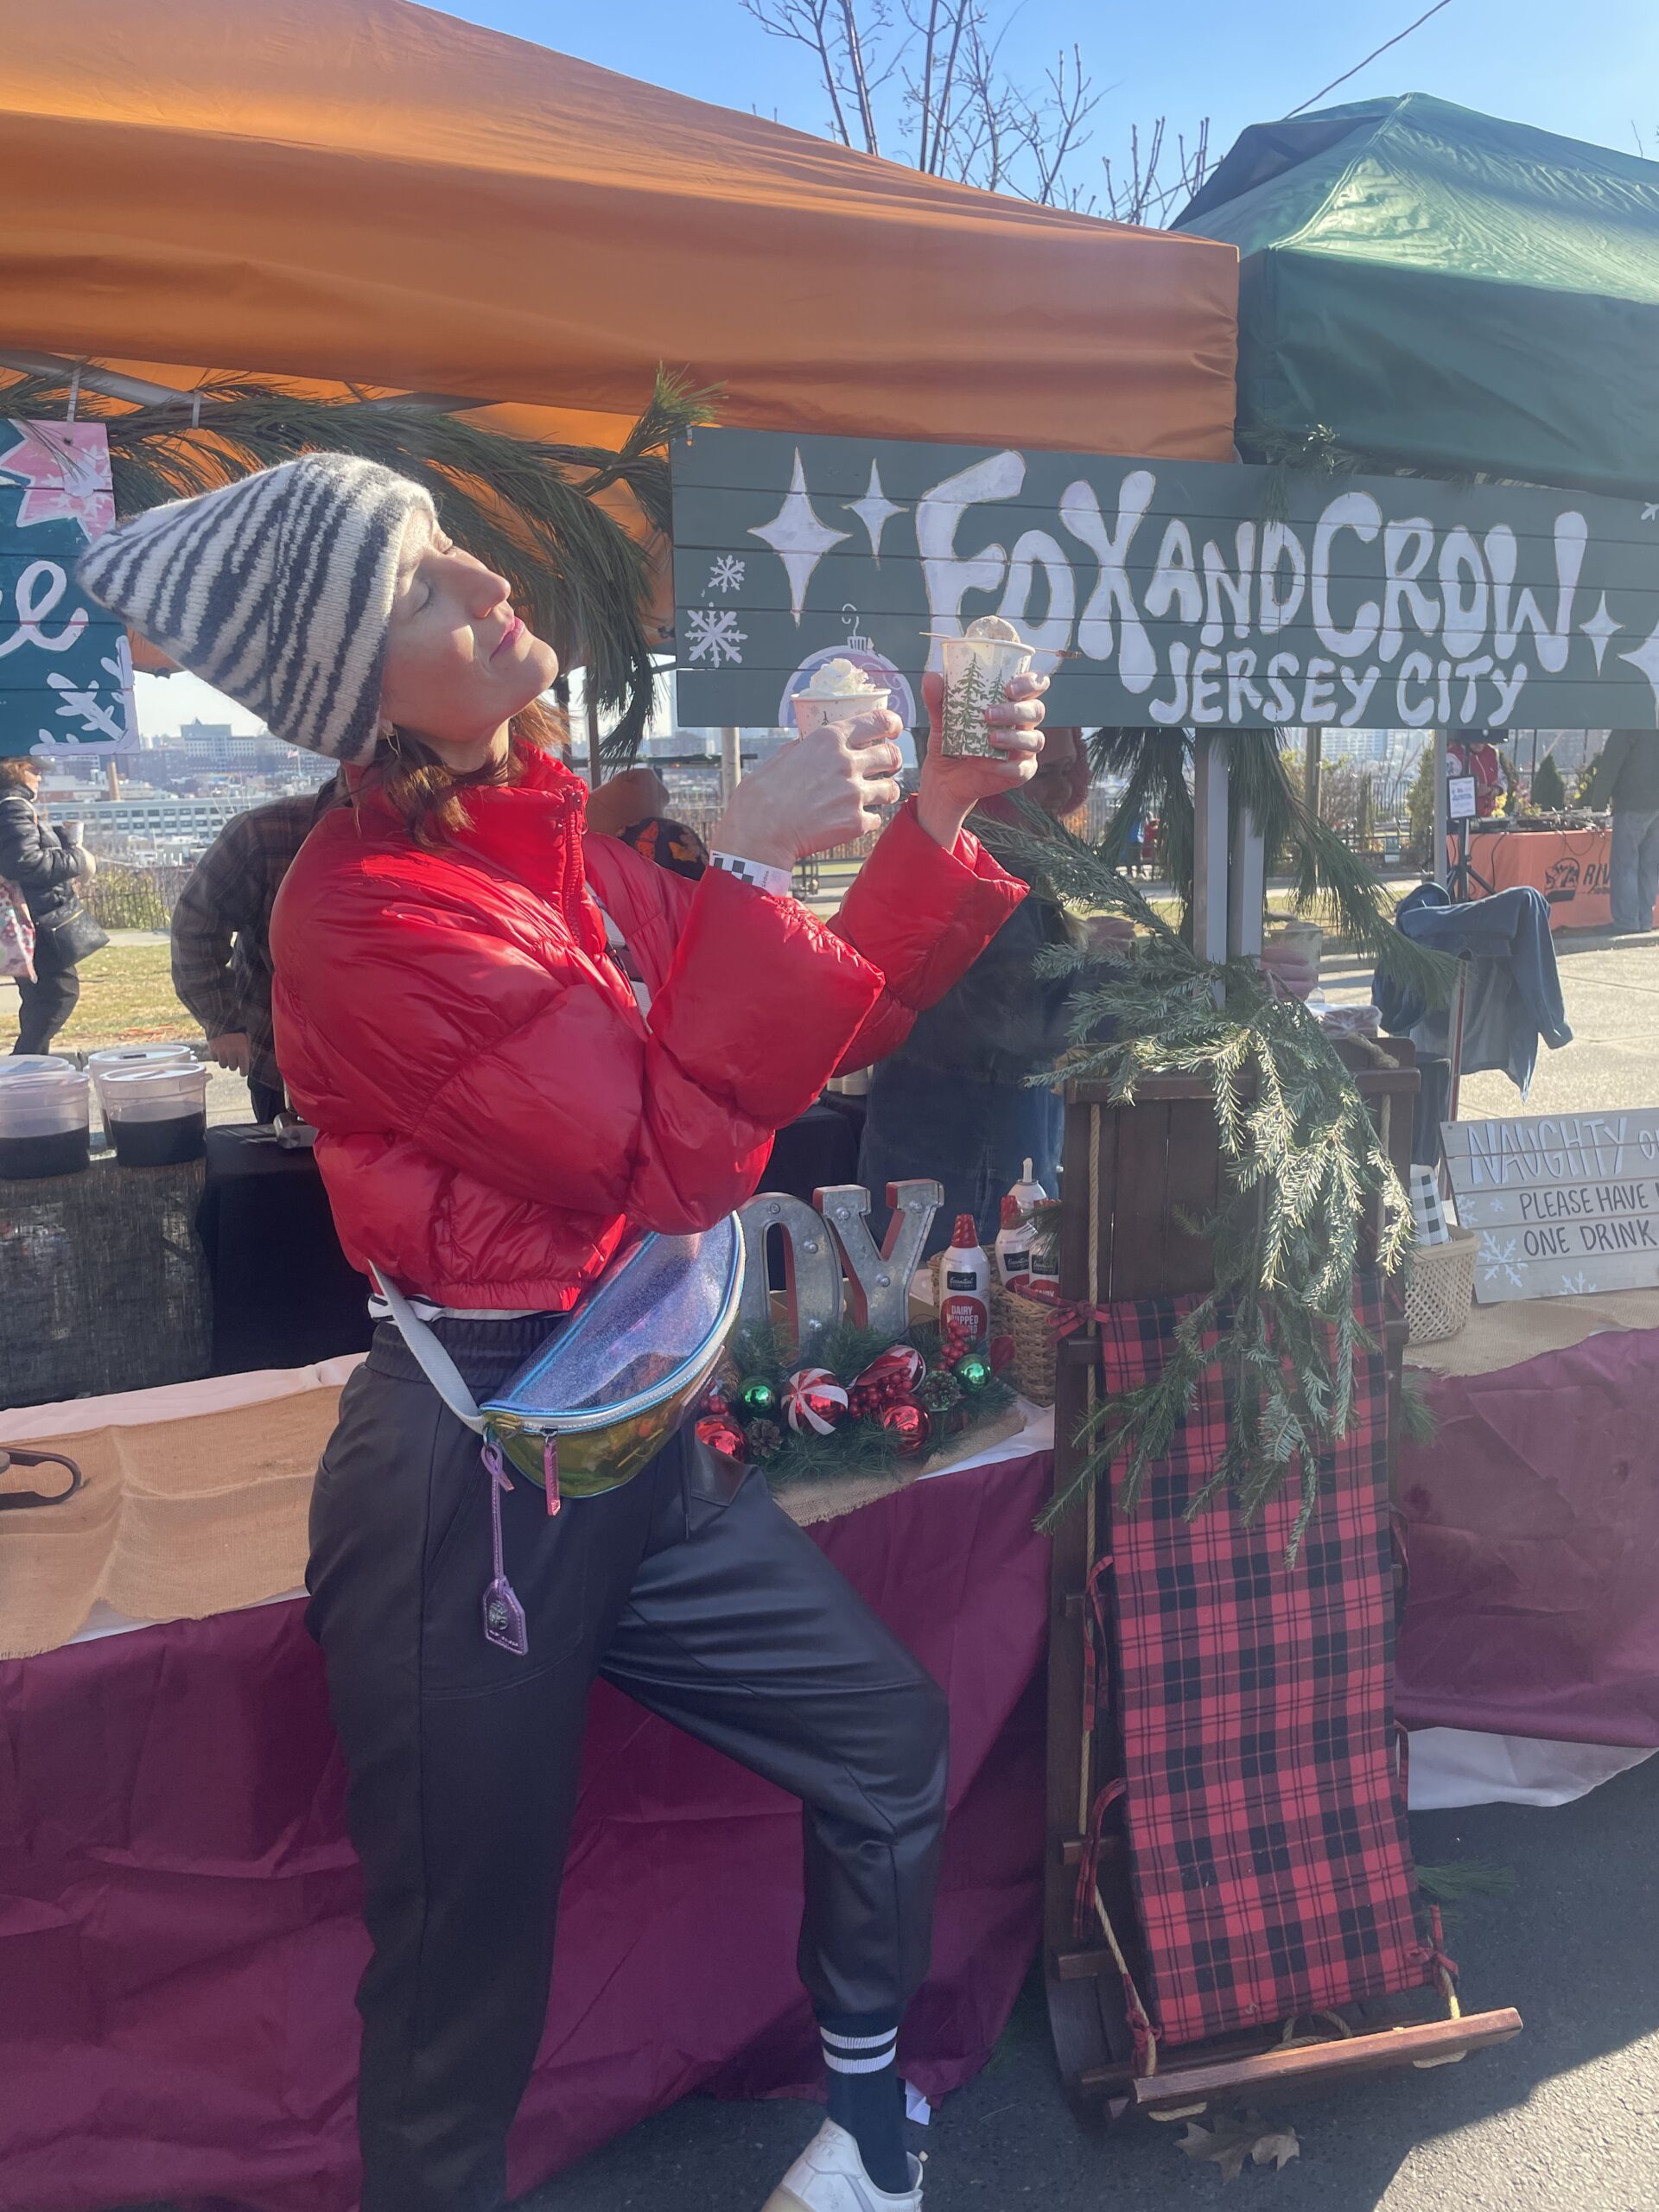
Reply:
x=1442, y=291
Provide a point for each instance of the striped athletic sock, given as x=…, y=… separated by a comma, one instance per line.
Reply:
x=860, y=2051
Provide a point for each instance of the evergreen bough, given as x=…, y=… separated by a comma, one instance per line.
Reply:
x=1304, y=1172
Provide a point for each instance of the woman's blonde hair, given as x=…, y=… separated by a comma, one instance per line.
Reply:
x=13, y=771
x=431, y=799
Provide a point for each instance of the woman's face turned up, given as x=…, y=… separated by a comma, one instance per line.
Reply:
x=459, y=662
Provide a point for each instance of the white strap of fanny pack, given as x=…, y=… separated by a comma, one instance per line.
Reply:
x=436, y=1365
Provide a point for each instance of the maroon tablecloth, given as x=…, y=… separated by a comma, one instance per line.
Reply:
x=1533, y=1539
x=179, y=1937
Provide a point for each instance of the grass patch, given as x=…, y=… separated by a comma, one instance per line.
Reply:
x=126, y=998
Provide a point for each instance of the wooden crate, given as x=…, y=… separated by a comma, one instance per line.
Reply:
x=1131, y=1174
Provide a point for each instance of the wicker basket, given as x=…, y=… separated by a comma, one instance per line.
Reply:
x=1035, y=1348
x=1441, y=1286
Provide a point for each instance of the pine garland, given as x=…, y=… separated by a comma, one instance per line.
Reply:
x=1304, y=1172
x=526, y=507
x=855, y=1447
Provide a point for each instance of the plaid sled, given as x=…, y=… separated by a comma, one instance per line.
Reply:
x=1265, y=1814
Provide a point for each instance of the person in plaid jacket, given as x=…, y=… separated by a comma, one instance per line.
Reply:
x=221, y=937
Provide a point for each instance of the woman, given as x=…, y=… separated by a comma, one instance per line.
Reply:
x=47, y=868
x=496, y=1107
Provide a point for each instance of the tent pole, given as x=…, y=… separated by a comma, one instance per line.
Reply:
x=1247, y=886
x=1312, y=753
x=731, y=764
x=1209, y=846
x=1437, y=856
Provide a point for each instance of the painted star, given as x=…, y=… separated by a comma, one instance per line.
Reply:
x=1646, y=657
x=65, y=471
x=874, y=510
x=1599, y=628
x=1650, y=514
x=799, y=538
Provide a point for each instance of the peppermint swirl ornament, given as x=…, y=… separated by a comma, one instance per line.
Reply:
x=814, y=1403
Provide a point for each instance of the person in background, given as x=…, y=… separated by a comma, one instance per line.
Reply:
x=1626, y=779
x=633, y=806
x=221, y=937
x=1471, y=753
x=48, y=868
x=954, y=1102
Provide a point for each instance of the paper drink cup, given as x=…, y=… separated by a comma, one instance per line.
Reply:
x=813, y=712
x=976, y=671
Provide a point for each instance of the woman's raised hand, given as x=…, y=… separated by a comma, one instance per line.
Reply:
x=953, y=784
x=821, y=790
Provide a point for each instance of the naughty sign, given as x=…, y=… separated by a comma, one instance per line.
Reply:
x=1563, y=1203
x=1161, y=592
x=66, y=672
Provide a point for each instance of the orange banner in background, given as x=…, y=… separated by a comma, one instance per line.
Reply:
x=1570, y=867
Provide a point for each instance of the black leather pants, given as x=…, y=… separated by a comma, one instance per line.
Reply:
x=691, y=1591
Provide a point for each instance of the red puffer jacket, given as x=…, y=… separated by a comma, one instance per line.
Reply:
x=492, y=1107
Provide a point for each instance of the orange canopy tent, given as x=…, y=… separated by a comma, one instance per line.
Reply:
x=366, y=191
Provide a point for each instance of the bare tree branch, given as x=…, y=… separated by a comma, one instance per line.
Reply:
x=805, y=22
x=855, y=52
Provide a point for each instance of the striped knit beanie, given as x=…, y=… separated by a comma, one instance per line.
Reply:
x=277, y=591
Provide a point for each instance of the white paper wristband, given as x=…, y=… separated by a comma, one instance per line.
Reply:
x=775, y=880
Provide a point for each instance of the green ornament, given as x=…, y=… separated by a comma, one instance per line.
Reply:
x=974, y=1372
x=758, y=1399
x=939, y=1392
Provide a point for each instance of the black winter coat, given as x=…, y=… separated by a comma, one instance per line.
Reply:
x=35, y=859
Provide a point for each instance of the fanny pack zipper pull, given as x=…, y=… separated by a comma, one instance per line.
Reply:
x=504, y=1625
x=551, y=1471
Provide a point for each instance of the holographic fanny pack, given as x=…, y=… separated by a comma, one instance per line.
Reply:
x=599, y=1401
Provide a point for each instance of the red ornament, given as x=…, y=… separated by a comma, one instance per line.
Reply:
x=722, y=1434
x=717, y=1399
x=1000, y=1354
x=893, y=1373
x=814, y=1401
x=909, y=1426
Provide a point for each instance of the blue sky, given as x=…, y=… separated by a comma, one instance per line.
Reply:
x=1589, y=71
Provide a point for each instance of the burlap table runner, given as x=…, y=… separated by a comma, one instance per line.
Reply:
x=178, y=1519
x=202, y=1514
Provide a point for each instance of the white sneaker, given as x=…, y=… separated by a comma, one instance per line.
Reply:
x=830, y=2176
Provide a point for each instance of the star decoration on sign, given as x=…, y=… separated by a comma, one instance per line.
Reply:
x=1599, y=628
x=1646, y=657
x=799, y=538
x=874, y=510
x=64, y=475
x=1650, y=513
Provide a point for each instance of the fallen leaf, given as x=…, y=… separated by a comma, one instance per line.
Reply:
x=1238, y=2136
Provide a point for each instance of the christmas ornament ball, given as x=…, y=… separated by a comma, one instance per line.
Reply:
x=909, y=1426
x=758, y=1399
x=974, y=1372
x=721, y=1434
x=814, y=1402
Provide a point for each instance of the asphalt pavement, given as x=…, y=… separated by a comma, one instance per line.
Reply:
x=1565, y=2116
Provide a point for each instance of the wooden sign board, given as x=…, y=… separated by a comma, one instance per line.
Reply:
x=1161, y=592
x=66, y=672
x=1563, y=1203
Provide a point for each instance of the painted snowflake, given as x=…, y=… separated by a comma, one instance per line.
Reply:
x=65, y=469
x=716, y=637
x=1497, y=1260
x=726, y=574
x=1578, y=1286
x=101, y=722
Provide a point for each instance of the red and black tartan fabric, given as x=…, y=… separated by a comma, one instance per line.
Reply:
x=1256, y=1701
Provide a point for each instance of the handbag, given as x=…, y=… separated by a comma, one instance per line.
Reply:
x=16, y=934
x=64, y=940
x=597, y=1402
